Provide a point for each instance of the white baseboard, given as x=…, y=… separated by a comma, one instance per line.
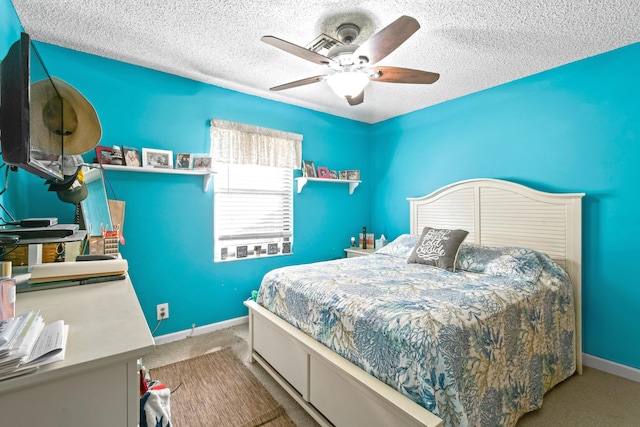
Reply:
x=610, y=367
x=175, y=336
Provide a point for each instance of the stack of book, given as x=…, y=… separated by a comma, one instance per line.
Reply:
x=27, y=343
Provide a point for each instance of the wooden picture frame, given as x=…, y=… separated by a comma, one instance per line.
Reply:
x=103, y=155
x=184, y=161
x=308, y=169
x=323, y=172
x=202, y=162
x=154, y=158
x=131, y=157
x=342, y=175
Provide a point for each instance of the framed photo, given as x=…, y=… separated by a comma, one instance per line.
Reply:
x=333, y=174
x=308, y=169
x=353, y=174
x=272, y=249
x=184, y=161
x=157, y=158
x=241, y=251
x=201, y=162
x=323, y=172
x=103, y=155
x=342, y=175
x=131, y=157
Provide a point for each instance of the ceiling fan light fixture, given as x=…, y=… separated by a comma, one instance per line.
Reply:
x=348, y=83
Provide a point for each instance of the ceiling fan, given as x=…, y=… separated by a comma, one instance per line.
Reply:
x=353, y=65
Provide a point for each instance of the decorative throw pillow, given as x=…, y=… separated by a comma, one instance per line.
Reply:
x=438, y=247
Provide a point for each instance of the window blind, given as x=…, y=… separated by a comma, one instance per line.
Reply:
x=253, y=211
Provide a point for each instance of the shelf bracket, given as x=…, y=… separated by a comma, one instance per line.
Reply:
x=352, y=187
x=302, y=181
x=205, y=184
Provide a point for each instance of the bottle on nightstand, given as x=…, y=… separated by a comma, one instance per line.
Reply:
x=364, y=238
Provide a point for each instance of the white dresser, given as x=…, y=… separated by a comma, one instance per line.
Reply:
x=98, y=382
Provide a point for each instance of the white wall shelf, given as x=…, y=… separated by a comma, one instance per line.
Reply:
x=206, y=174
x=302, y=181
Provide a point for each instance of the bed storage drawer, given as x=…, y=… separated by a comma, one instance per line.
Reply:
x=292, y=363
x=346, y=402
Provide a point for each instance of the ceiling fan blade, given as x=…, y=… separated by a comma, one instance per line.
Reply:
x=402, y=75
x=297, y=83
x=356, y=99
x=388, y=39
x=299, y=51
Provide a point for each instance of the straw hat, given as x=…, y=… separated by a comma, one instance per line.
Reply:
x=82, y=130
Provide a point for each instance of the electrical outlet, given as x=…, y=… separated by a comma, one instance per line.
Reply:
x=162, y=311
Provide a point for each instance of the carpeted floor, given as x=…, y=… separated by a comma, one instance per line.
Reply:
x=594, y=399
x=216, y=389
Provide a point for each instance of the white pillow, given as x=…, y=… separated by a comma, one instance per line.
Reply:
x=401, y=247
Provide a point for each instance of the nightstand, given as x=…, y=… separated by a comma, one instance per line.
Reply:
x=356, y=252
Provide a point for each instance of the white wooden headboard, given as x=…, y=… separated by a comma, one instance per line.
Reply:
x=502, y=213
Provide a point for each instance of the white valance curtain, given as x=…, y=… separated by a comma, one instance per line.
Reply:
x=238, y=143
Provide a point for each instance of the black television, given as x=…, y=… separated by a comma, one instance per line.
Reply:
x=30, y=135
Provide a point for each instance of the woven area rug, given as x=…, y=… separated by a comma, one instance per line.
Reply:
x=216, y=389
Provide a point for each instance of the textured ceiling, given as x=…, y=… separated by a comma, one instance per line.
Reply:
x=473, y=44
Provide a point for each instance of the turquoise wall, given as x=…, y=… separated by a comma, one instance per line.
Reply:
x=168, y=218
x=571, y=129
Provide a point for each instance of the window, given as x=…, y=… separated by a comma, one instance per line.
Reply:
x=253, y=211
x=253, y=200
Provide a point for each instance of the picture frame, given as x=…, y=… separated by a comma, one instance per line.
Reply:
x=353, y=175
x=333, y=175
x=308, y=169
x=184, y=161
x=154, y=158
x=202, y=162
x=131, y=157
x=103, y=155
x=242, y=251
x=342, y=175
x=323, y=172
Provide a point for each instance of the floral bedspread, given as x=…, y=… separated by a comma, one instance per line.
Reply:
x=477, y=347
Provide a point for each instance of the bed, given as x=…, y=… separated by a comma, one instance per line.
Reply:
x=445, y=359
